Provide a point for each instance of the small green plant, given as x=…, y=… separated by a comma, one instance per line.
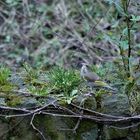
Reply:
x=35, y=83
x=124, y=40
x=38, y=90
x=5, y=84
x=125, y=70
x=33, y=76
x=4, y=75
x=65, y=81
x=30, y=74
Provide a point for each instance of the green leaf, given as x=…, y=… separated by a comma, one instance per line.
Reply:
x=124, y=44
x=42, y=8
x=74, y=92
x=125, y=31
x=135, y=18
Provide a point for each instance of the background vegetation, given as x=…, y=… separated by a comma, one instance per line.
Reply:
x=37, y=35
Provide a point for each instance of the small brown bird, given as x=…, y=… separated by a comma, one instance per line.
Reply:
x=92, y=78
x=88, y=75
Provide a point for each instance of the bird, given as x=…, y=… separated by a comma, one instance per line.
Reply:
x=93, y=79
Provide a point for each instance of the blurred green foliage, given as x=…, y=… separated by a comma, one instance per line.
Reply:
x=63, y=80
x=5, y=84
x=56, y=33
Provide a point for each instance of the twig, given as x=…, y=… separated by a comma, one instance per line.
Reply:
x=33, y=126
x=94, y=116
x=28, y=112
x=126, y=127
x=13, y=109
x=77, y=125
x=61, y=115
x=97, y=113
x=66, y=109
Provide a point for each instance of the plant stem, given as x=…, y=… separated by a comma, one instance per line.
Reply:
x=123, y=57
x=129, y=44
x=125, y=8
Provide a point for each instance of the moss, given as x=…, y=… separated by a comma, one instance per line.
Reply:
x=13, y=100
x=50, y=127
x=5, y=84
x=86, y=129
x=112, y=133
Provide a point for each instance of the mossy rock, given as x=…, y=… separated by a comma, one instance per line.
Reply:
x=112, y=133
x=116, y=104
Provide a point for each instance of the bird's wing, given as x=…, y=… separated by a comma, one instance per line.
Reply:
x=91, y=77
x=103, y=84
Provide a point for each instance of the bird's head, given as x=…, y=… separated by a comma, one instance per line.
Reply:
x=86, y=64
x=87, y=74
x=84, y=68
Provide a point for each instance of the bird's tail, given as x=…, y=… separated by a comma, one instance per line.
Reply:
x=104, y=85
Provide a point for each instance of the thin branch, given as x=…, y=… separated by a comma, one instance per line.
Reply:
x=77, y=125
x=97, y=113
x=13, y=109
x=126, y=127
x=33, y=126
